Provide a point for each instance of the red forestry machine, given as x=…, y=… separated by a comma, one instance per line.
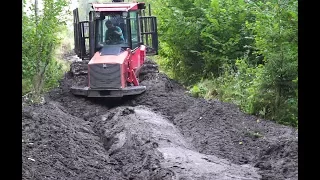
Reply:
x=116, y=52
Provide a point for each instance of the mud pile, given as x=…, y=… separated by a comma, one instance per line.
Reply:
x=221, y=129
x=127, y=132
x=78, y=138
x=57, y=145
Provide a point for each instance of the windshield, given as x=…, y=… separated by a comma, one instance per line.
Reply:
x=112, y=31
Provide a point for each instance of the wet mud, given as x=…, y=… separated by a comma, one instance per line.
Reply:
x=163, y=133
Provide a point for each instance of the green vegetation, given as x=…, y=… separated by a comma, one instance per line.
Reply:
x=239, y=51
x=41, y=36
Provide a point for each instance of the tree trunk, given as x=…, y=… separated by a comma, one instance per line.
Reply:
x=36, y=10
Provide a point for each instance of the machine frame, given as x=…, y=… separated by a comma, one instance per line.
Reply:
x=113, y=70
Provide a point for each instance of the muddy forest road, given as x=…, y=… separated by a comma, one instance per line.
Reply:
x=163, y=133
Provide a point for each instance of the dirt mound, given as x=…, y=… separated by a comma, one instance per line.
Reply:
x=125, y=143
x=127, y=132
x=221, y=129
x=209, y=131
x=280, y=160
x=57, y=145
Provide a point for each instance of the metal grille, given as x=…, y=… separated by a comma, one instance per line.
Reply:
x=105, y=76
x=149, y=34
x=81, y=36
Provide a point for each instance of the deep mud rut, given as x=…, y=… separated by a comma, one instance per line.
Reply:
x=161, y=134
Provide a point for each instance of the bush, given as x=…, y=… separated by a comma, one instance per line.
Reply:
x=246, y=50
x=39, y=40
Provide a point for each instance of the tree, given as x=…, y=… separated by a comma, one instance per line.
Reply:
x=247, y=49
x=39, y=40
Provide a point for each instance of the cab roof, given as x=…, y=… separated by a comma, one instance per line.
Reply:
x=120, y=6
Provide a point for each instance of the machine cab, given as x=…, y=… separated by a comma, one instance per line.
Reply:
x=115, y=27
